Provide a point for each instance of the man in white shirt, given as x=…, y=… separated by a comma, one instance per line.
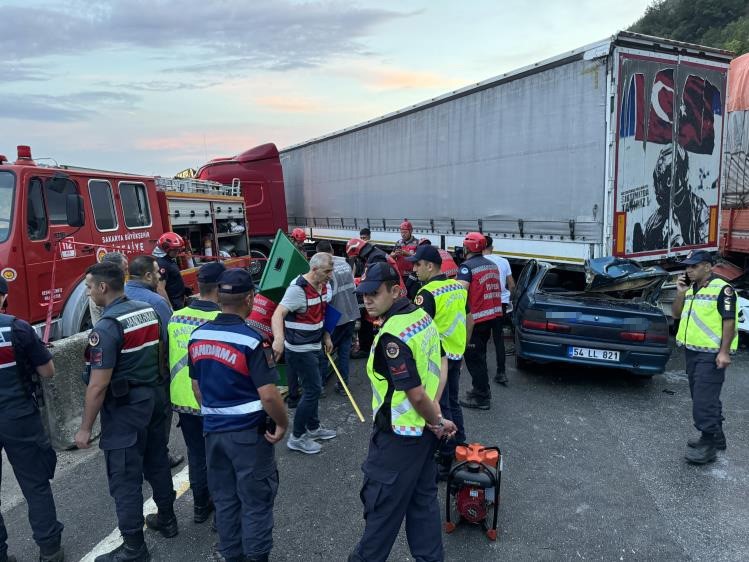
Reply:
x=508, y=285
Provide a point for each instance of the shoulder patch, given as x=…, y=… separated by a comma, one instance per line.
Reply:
x=268, y=352
x=93, y=339
x=728, y=291
x=419, y=300
x=464, y=270
x=392, y=350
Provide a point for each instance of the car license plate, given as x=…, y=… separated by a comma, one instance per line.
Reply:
x=589, y=353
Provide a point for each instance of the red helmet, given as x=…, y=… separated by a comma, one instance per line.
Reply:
x=170, y=241
x=474, y=242
x=406, y=225
x=298, y=234
x=354, y=246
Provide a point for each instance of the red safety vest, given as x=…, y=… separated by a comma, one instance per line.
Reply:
x=485, y=289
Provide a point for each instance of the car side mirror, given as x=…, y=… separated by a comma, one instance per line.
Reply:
x=74, y=210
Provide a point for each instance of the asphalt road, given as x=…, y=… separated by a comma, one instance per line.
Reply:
x=594, y=470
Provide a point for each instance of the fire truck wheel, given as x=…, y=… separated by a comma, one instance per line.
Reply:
x=257, y=266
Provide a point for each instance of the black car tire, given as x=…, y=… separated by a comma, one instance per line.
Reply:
x=521, y=363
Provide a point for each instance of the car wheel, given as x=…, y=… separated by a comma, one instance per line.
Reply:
x=521, y=363
x=257, y=265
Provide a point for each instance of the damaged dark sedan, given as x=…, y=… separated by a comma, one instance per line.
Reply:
x=607, y=316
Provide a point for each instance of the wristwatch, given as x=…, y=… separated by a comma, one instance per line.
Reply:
x=440, y=422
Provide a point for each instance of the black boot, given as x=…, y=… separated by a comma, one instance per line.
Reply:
x=704, y=452
x=720, y=441
x=202, y=510
x=258, y=558
x=476, y=400
x=165, y=522
x=501, y=378
x=133, y=549
x=53, y=553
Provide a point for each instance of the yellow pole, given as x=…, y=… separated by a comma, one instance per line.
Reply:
x=345, y=387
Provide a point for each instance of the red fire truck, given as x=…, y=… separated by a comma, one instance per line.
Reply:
x=57, y=220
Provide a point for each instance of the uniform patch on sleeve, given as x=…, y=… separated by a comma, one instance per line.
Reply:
x=93, y=339
x=419, y=300
x=728, y=291
x=464, y=270
x=97, y=357
x=392, y=350
x=398, y=371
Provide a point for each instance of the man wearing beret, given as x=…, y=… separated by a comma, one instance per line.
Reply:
x=181, y=326
x=234, y=381
x=707, y=312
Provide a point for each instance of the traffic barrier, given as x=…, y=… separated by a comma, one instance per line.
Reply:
x=65, y=392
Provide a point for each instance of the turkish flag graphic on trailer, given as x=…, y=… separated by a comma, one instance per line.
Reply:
x=661, y=118
x=700, y=103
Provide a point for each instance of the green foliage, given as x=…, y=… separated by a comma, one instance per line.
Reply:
x=715, y=23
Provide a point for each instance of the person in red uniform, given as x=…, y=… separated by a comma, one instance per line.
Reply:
x=298, y=236
x=481, y=278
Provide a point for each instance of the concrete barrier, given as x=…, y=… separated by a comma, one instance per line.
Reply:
x=64, y=394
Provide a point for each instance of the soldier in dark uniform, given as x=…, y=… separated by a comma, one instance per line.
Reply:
x=124, y=383
x=21, y=432
x=234, y=379
x=399, y=473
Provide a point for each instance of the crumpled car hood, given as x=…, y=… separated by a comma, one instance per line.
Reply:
x=612, y=274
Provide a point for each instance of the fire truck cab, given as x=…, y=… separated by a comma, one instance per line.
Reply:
x=55, y=221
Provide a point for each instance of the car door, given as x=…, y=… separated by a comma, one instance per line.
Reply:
x=526, y=276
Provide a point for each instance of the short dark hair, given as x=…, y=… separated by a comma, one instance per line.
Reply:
x=390, y=284
x=117, y=258
x=109, y=273
x=365, y=232
x=142, y=265
x=324, y=246
x=489, y=241
x=232, y=299
x=206, y=288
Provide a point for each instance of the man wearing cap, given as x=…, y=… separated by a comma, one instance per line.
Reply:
x=181, y=327
x=22, y=436
x=299, y=333
x=707, y=312
x=399, y=472
x=234, y=380
x=124, y=383
x=445, y=300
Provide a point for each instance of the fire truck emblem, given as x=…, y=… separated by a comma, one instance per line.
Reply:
x=9, y=274
x=100, y=253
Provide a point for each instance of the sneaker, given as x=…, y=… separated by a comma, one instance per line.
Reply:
x=303, y=444
x=321, y=433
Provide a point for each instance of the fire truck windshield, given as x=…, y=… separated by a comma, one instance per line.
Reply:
x=7, y=185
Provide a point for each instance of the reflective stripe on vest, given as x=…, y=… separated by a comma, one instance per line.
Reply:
x=450, y=315
x=304, y=328
x=701, y=324
x=238, y=410
x=182, y=324
x=417, y=330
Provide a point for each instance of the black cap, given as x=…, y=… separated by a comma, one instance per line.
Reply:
x=210, y=272
x=374, y=276
x=427, y=252
x=3, y=286
x=697, y=256
x=235, y=281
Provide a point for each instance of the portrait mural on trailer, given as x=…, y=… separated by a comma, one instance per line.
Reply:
x=670, y=130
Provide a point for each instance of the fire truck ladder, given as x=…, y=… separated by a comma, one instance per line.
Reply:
x=191, y=185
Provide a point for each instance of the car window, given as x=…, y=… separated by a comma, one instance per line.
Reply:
x=134, y=201
x=36, y=215
x=103, y=204
x=56, y=191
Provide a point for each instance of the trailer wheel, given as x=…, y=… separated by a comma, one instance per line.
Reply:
x=257, y=265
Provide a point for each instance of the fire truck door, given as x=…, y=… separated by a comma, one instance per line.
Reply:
x=48, y=234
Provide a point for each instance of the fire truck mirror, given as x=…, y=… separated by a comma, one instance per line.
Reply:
x=74, y=210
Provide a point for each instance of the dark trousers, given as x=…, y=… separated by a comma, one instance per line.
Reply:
x=475, y=357
x=499, y=341
x=342, y=337
x=192, y=431
x=705, y=384
x=308, y=366
x=450, y=406
x=134, y=445
x=33, y=461
x=243, y=480
x=400, y=481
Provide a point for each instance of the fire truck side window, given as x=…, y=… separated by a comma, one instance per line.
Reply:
x=36, y=219
x=56, y=191
x=135, y=205
x=103, y=204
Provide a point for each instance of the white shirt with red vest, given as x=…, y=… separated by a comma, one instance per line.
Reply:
x=304, y=323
